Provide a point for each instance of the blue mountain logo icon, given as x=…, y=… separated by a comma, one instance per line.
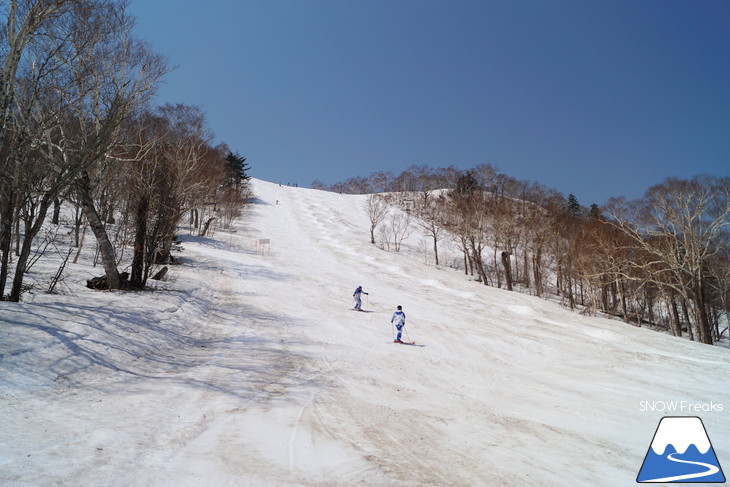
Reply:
x=680, y=452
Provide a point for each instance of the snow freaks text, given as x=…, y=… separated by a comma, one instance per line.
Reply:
x=683, y=407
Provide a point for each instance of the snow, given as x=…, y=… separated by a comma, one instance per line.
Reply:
x=251, y=369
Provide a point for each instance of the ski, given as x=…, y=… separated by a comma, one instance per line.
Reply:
x=404, y=343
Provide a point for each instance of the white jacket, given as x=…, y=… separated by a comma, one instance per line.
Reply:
x=399, y=318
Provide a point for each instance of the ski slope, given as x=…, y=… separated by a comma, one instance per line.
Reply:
x=251, y=369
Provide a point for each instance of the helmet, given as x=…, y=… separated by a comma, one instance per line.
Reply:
x=400, y=307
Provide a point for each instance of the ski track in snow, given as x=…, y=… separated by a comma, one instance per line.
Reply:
x=252, y=370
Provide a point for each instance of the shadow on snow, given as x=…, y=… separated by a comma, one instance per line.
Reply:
x=109, y=349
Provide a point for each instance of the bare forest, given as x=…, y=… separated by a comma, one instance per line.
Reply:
x=79, y=136
x=661, y=261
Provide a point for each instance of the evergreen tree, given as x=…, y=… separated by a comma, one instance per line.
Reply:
x=237, y=168
x=572, y=207
x=466, y=184
x=595, y=212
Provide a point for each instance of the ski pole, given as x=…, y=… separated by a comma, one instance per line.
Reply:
x=408, y=337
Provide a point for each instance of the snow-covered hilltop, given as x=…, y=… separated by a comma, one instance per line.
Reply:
x=249, y=367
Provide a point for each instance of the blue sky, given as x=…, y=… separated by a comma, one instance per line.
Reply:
x=596, y=98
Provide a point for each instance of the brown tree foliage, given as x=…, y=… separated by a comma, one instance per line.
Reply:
x=660, y=261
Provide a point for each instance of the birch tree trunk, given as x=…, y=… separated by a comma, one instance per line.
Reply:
x=507, y=269
x=31, y=230
x=106, y=249
x=6, y=228
x=136, y=279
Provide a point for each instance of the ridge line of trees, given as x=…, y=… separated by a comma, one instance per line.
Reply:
x=661, y=260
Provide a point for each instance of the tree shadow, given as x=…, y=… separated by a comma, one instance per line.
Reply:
x=258, y=201
x=106, y=350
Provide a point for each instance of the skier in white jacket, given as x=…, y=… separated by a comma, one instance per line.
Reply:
x=399, y=320
x=358, y=297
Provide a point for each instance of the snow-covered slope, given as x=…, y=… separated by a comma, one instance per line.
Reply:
x=252, y=369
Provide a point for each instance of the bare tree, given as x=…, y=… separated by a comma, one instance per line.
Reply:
x=400, y=224
x=32, y=127
x=29, y=23
x=679, y=227
x=113, y=75
x=719, y=282
x=430, y=213
x=506, y=228
x=467, y=219
x=25, y=20
x=179, y=171
x=385, y=233
x=185, y=149
x=428, y=202
x=376, y=209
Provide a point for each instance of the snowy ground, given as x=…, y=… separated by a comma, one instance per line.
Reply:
x=249, y=369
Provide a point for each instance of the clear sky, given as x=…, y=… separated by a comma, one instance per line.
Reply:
x=598, y=98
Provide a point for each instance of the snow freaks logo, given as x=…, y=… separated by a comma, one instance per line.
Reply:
x=680, y=452
x=685, y=407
